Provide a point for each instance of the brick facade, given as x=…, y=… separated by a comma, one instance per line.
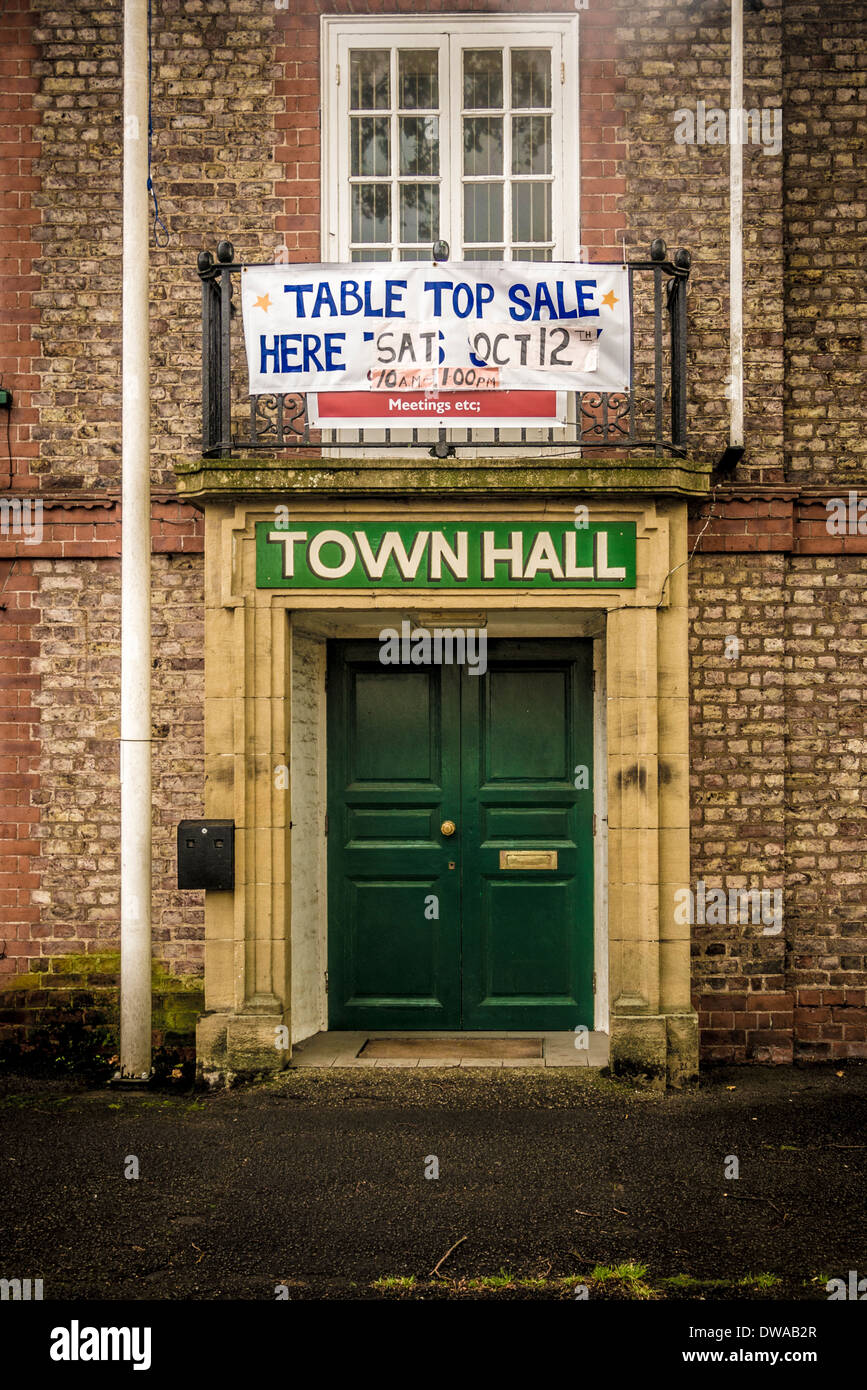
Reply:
x=778, y=732
x=20, y=182
x=826, y=217
x=60, y=798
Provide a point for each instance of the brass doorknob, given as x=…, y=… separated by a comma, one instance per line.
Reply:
x=447, y=827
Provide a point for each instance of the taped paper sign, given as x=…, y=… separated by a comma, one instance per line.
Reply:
x=467, y=326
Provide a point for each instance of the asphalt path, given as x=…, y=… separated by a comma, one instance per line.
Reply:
x=316, y=1182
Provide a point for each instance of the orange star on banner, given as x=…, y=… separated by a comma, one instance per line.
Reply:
x=264, y=302
x=610, y=299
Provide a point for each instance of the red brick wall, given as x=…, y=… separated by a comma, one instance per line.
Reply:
x=20, y=186
x=744, y=521
x=20, y=613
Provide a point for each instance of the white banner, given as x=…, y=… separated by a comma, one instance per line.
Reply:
x=461, y=326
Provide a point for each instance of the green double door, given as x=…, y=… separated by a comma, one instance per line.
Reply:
x=490, y=926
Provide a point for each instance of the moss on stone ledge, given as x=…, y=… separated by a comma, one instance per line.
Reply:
x=384, y=476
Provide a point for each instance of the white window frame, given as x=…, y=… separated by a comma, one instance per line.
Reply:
x=340, y=33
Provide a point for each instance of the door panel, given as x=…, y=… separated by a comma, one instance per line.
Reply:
x=408, y=749
x=528, y=933
x=392, y=767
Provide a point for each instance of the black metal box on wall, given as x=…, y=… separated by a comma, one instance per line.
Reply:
x=206, y=854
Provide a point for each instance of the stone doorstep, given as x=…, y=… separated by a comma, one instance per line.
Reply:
x=343, y=1049
x=455, y=1049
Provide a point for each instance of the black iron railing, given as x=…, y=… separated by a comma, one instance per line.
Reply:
x=651, y=417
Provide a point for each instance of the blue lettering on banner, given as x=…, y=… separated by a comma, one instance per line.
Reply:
x=562, y=311
x=331, y=362
x=543, y=298
x=464, y=298
x=393, y=296
x=369, y=311
x=299, y=292
x=287, y=352
x=351, y=302
x=317, y=352
x=266, y=352
x=347, y=288
x=324, y=295
x=420, y=328
x=438, y=288
x=583, y=296
x=525, y=306
x=519, y=298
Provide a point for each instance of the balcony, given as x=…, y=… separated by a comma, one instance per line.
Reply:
x=649, y=420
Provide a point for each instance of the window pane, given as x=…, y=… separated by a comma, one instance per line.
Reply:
x=483, y=78
x=370, y=140
x=531, y=77
x=371, y=253
x=532, y=253
x=531, y=212
x=371, y=212
x=483, y=145
x=418, y=83
x=483, y=211
x=416, y=253
x=419, y=145
x=531, y=144
x=483, y=253
x=419, y=211
x=369, y=81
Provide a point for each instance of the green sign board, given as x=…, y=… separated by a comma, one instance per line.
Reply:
x=447, y=555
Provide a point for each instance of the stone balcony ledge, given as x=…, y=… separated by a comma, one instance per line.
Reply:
x=383, y=475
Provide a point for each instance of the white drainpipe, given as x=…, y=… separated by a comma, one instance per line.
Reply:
x=736, y=227
x=135, y=696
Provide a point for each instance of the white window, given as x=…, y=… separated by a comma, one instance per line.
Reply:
x=453, y=129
